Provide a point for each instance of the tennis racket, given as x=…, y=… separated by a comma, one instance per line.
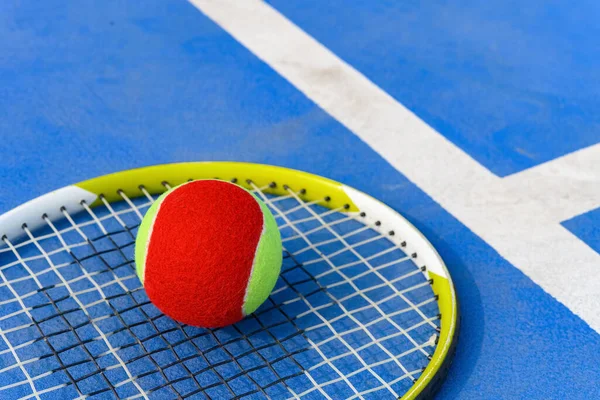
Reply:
x=364, y=306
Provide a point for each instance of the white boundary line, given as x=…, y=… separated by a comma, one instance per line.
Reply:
x=567, y=186
x=518, y=216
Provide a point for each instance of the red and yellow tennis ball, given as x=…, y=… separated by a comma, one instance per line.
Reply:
x=208, y=253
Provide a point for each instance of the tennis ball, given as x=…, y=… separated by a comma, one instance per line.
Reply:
x=208, y=253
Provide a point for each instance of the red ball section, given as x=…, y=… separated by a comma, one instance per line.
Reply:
x=201, y=252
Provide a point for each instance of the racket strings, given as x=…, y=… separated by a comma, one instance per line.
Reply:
x=46, y=337
x=359, y=256
x=291, y=340
x=327, y=257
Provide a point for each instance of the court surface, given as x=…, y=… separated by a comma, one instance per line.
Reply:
x=476, y=120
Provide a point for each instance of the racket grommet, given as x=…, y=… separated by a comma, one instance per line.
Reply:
x=24, y=226
x=234, y=180
x=346, y=206
x=424, y=268
x=286, y=187
x=377, y=223
x=141, y=187
x=249, y=181
x=429, y=357
x=272, y=185
x=414, y=255
x=403, y=244
x=63, y=208
x=430, y=281
x=363, y=214
x=302, y=191
x=391, y=233
x=4, y=238
x=44, y=216
x=439, y=316
x=436, y=297
x=165, y=183
x=327, y=198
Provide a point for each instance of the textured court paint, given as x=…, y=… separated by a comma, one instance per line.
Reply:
x=512, y=86
x=587, y=228
x=109, y=105
x=567, y=186
x=142, y=240
x=267, y=263
x=135, y=83
x=201, y=252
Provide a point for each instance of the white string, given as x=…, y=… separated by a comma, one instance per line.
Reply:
x=315, y=229
x=112, y=350
x=66, y=230
x=333, y=211
x=334, y=240
x=357, y=254
x=373, y=304
x=12, y=350
x=350, y=348
x=41, y=256
x=357, y=262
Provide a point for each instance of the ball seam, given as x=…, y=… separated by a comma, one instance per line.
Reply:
x=262, y=235
x=148, y=239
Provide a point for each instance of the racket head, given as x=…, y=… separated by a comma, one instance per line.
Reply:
x=343, y=297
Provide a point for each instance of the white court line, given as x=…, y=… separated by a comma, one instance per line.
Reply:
x=567, y=186
x=517, y=216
